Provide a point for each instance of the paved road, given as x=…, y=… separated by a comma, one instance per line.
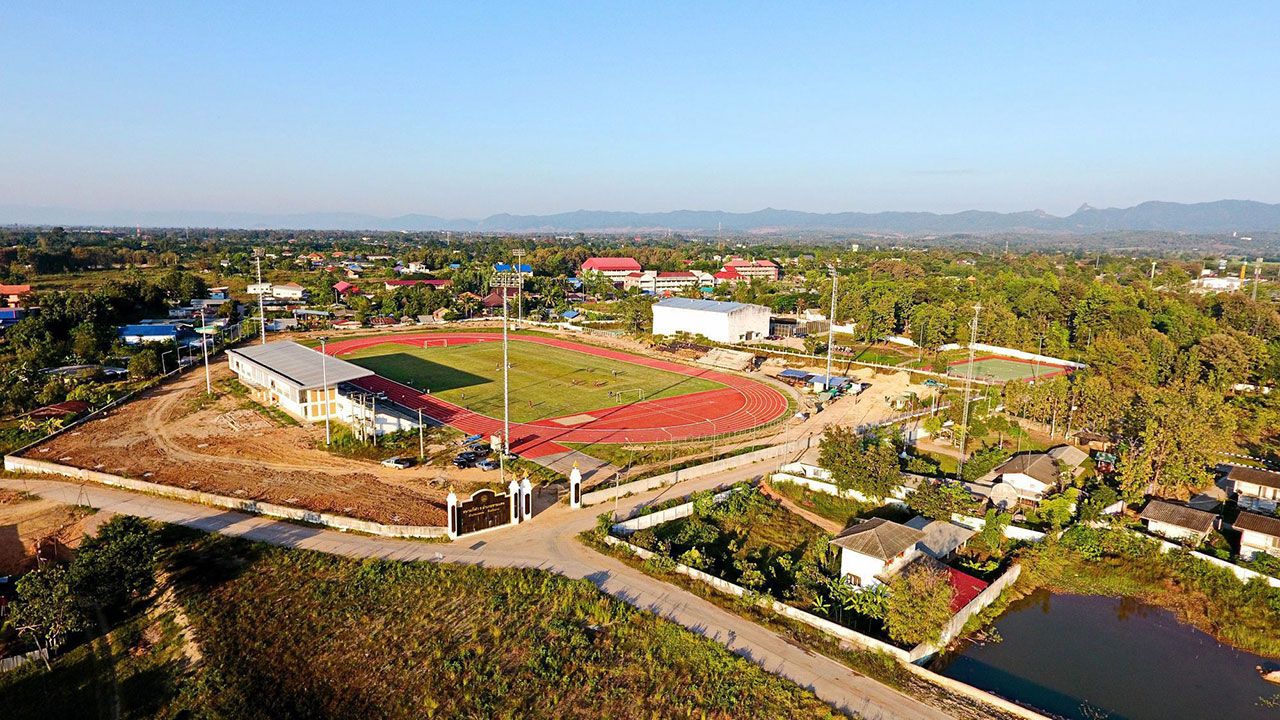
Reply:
x=547, y=542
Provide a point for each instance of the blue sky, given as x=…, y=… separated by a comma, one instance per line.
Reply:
x=466, y=109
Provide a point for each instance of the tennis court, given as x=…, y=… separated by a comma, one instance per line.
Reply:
x=1004, y=369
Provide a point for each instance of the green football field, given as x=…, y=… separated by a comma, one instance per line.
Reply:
x=1002, y=369
x=545, y=381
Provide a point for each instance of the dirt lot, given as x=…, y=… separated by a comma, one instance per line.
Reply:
x=229, y=447
x=26, y=520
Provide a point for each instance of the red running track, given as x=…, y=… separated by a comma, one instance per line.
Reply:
x=741, y=405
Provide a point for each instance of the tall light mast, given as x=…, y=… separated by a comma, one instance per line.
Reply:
x=262, y=312
x=831, y=326
x=968, y=385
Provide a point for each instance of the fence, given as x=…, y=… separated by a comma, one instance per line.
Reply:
x=13, y=463
x=791, y=447
x=975, y=606
x=13, y=662
x=626, y=527
x=810, y=619
x=1244, y=574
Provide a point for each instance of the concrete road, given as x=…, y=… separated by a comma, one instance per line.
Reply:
x=546, y=542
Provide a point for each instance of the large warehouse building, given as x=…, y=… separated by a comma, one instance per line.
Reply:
x=715, y=320
x=293, y=377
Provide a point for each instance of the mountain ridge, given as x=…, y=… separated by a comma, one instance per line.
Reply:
x=1206, y=217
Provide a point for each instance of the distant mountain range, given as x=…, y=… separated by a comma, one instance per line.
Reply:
x=1243, y=216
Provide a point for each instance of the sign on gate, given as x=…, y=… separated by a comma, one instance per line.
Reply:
x=485, y=509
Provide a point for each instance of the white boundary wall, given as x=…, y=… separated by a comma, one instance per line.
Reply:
x=1010, y=352
x=627, y=527
x=609, y=492
x=729, y=588
x=1243, y=573
x=13, y=463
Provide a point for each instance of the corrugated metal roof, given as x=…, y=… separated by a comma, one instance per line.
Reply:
x=300, y=365
x=703, y=305
x=1179, y=515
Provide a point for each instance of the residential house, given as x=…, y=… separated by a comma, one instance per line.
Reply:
x=433, y=284
x=262, y=288
x=1258, y=534
x=1254, y=489
x=493, y=301
x=288, y=291
x=1070, y=458
x=1177, y=522
x=1032, y=476
x=729, y=276
x=14, y=296
x=155, y=333
x=874, y=549
x=345, y=289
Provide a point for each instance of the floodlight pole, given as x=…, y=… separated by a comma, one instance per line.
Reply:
x=422, y=453
x=968, y=384
x=324, y=379
x=831, y=329
x=204, y=343
x=519, y=254
x=262, y=312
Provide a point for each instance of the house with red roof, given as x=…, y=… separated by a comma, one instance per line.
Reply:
x=14, y=296
x=730, y=276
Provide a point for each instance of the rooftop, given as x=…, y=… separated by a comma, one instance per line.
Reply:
x=703, y=305
x=1264, y=524
x=611, y=264
x=1036, y=465
x=1267, y=478
x=300, y=365
x=878, y=538
x=1179, y=515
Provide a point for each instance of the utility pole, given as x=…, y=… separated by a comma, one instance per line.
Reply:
x=262, y=313
x=204, y=343
x=968, y=385
x=831, y=326
x=1153, y=270
x=324, y=379
x=422, y=451
x=1257, y=277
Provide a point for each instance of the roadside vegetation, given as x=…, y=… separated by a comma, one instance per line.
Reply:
x=227, y=628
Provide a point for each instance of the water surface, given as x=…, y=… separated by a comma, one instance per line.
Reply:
x=1089, y=657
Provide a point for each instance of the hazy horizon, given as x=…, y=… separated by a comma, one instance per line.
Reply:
x=469, y=111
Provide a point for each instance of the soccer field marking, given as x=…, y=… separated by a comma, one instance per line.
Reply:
x=739, y=405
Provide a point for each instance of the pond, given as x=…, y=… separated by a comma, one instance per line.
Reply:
x=1090, y=657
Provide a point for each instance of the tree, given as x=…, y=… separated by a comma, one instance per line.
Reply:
x=865, y=464
x=46, y=605
x=115, y=565
x=941, y=500
x=919, y=605
x=1174, y=435
x=144, y=364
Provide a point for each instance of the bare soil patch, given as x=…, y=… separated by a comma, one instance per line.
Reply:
x=174, y=436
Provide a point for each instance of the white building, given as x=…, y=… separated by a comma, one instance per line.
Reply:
x=293, y=377
x=1177, y=522
x=874, y=549
x=288, y=291
x=1032, y=475
x=1255, y=489
x=720, y=321
x=263, y=288
x=1258, y=534
x=614, y=268
x=663, y=283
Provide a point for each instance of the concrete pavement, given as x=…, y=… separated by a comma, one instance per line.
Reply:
x=547, y=542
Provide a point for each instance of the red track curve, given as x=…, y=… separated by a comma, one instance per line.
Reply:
x=741, y=405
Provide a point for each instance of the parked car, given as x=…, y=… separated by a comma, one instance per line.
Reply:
x=397, y=462
x=465, y=460
x=480, y=450
x=487, y=464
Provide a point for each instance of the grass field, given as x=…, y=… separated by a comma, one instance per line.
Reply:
x=1003, y=369
x=545, y=381
x=285, y=634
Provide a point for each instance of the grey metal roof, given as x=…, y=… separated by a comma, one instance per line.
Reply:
x=300, y=365
x=878, y=538
x=1179, y=515
x=1264, y=524
x=680, y=303
x=1254, y=476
